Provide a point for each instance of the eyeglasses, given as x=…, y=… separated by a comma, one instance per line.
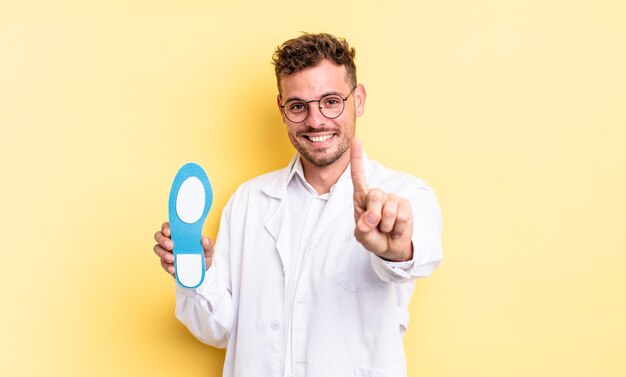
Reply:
x=331, y=106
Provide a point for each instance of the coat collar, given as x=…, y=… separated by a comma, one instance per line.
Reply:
x=277, y=187
x=339, y=203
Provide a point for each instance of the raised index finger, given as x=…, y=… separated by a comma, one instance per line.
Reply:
x=357, y=170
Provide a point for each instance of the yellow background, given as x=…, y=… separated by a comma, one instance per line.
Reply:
x=514, y=111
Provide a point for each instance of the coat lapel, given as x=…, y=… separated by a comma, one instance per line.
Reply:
x=275, y=218
x=340, y=202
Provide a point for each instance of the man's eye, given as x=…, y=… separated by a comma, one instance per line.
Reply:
x=296, y=107
x=331, y=102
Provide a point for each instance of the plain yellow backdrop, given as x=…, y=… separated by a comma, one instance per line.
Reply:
x=513, y=111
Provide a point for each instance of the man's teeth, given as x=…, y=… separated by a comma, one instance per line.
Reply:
x=318, y=139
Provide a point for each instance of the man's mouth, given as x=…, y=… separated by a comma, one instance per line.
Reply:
x=318, y=139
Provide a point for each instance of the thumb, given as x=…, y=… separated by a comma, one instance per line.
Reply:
x=209, y=248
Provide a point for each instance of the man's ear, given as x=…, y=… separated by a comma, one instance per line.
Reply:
x=280, y=110
x=359, y=99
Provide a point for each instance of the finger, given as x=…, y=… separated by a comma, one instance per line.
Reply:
x=164, y=242
x=404, y=220
x=357, y=170
x=375, y=200
x=163, y=254
x=207, y=244
x=209, y=248
x=369, y=236
x=389, y=213
x=168, y=267
x=165, y=229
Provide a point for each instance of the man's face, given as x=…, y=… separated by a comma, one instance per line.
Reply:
x=322, y=141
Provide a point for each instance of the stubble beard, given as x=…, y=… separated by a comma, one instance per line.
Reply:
x=322, y=159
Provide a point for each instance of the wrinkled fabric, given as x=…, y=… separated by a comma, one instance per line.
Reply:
x=347, y=311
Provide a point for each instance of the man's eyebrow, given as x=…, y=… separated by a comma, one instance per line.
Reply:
x=323, y=95
x=294, y=99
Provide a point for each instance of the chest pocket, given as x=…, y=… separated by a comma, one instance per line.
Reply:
x=355, y=269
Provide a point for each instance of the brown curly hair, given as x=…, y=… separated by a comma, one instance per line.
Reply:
x=308, y=50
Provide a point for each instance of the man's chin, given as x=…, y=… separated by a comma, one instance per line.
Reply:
x=322, y=159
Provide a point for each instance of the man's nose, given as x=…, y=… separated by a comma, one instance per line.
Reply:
x=315, y=118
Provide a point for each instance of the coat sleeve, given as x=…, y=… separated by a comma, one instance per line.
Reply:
x=427, y=226
x=207, y=311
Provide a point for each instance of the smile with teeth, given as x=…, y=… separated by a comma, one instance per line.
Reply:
x=319, y=139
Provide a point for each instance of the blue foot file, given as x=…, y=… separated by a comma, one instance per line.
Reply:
x=191, y=197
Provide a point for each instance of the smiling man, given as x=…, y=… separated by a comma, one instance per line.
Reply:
x=314, y=264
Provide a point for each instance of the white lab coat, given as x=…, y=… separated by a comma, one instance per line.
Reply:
x=350, y=308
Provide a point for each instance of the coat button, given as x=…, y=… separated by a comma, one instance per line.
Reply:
x=275, y=325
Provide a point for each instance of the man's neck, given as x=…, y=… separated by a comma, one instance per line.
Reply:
x=322, y=178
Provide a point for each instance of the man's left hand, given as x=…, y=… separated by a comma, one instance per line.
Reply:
x=384, y=222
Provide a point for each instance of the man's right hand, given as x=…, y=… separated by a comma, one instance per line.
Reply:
x=165, y=245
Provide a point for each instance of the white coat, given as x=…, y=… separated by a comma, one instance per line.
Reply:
x=350, y=308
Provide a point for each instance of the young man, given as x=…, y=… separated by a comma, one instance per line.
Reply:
x=313, y=270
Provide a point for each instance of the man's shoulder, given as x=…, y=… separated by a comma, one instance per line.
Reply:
x=261, y=183
x=254, y=191
x=263, y=180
